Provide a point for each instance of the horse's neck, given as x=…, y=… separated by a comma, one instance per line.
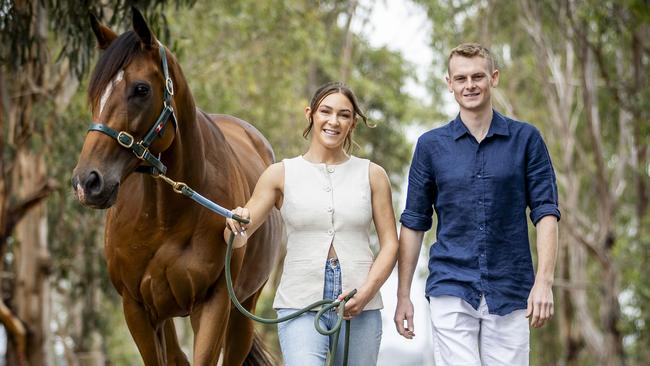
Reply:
x=186, y=155
x=190, y=159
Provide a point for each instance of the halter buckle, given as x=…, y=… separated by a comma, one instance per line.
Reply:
x=125, y=139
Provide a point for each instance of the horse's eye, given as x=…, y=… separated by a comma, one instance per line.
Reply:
x=141, y=90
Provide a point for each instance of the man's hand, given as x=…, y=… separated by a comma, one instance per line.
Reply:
x=404, y=312
x=540, y=304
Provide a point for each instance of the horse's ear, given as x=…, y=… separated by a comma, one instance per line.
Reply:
x=142, y=29
x=105, y=36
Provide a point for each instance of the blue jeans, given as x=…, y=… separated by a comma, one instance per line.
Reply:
x=302, y=345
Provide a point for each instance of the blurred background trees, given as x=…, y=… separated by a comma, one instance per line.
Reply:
x=578, y=70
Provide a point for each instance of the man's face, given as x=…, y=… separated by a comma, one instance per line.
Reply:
x=470, y=79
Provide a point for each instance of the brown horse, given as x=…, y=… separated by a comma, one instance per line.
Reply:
x=165, y=253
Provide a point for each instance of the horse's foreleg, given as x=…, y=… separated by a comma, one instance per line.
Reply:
x=143, y=332
x=209, y=322
x=175, y=355
x=241, y=329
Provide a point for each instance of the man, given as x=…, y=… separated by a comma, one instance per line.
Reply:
x=480, y=172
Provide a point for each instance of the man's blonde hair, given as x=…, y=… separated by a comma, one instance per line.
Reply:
x=472, y=50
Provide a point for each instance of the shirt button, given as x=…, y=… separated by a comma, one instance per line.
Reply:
x=327, y=188
x=330, y=209
x=480, y=202
x=478, y=175
x=481, y=227
x=330, y=170
x=330, y=232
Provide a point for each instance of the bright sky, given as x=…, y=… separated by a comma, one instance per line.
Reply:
x=404, y=27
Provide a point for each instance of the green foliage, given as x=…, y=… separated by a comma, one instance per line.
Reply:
x=68, y=20
x=260, y=61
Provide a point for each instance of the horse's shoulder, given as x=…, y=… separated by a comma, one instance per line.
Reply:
x=228, y=121
x=231, y=126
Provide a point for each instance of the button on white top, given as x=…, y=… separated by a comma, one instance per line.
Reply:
x=330, y=232
x=327, y=188
x=330, y=209
x=330, y=169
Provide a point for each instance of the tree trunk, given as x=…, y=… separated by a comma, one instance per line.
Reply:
x=32, y=290
x=24, y=99
x=591, y=232
x=346, y=52
x=94, y=356
x=87, y=338
x=611, y=350
x=560, y=94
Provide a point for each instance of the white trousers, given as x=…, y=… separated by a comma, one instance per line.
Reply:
x=463, y=336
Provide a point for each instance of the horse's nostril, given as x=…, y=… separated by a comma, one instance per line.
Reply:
x=93, y=183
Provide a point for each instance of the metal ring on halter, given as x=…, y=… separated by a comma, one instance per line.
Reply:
x=169, y=84
x=125, y=144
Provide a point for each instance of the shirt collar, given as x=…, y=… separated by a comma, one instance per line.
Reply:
x=498, y=126
x=458, y=128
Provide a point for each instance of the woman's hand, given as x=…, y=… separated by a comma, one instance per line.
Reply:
x=237, y=227
x=356, y=304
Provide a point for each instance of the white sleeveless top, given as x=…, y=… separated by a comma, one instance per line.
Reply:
x=323, y=205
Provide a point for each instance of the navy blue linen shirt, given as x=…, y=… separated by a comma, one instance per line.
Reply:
x=480, y=193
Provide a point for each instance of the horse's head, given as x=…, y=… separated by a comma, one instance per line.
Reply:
x=131, y=96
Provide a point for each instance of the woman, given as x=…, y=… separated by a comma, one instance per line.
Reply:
x=328, y=199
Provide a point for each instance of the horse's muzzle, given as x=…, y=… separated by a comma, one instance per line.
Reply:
x=92, y=190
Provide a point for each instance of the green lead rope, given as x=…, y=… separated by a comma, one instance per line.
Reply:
x=325, y=305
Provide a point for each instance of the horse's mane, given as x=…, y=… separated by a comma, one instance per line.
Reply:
x=119, y=54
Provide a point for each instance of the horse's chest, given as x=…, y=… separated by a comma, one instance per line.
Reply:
x=169, y=272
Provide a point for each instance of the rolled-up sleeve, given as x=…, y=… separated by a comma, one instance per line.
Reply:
x=421, y=190
x=541, y=188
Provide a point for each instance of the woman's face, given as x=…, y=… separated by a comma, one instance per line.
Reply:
x=333, y=119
